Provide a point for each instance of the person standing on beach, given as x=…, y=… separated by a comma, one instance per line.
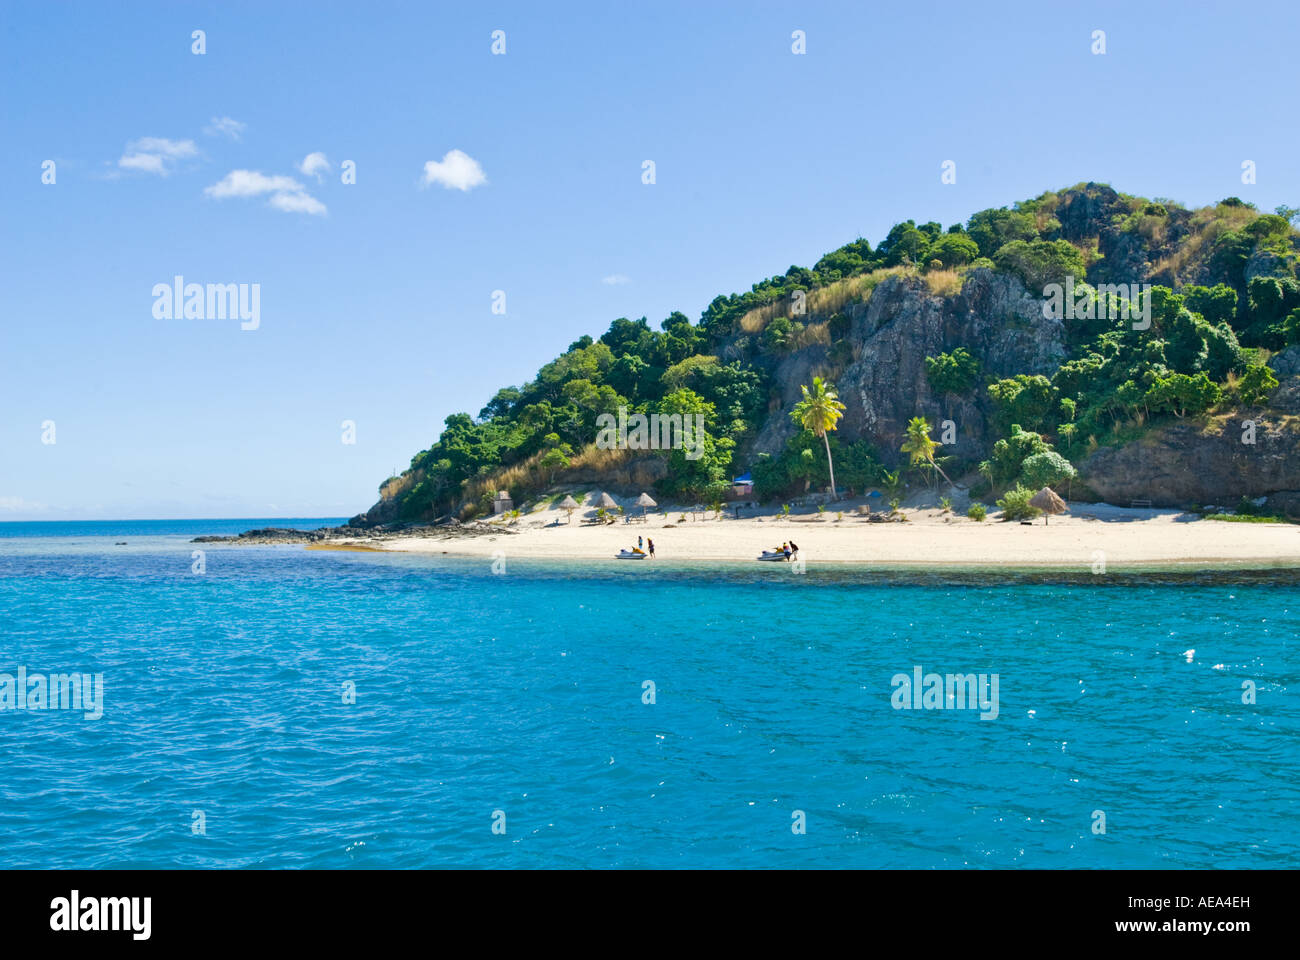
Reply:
x=639, y=544
x=652, y=548
x=794, y=549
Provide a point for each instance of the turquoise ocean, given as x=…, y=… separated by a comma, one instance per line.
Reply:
x=296, y=708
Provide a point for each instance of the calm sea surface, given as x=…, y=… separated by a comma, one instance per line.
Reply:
x=518, y=698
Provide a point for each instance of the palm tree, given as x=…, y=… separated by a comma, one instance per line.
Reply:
x=921, y=447
x=892, y=482
x=818, y=411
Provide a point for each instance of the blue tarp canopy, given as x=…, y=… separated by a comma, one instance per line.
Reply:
x=745, y=479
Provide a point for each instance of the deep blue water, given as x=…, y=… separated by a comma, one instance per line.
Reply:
x=522, y=692
x=156, y=528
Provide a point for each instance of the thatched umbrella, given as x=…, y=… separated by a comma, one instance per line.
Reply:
x=568, y=505
x=644, y=501
x=1047, y=501
x=604, y=501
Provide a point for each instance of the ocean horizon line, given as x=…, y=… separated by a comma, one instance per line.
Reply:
x=181, y=519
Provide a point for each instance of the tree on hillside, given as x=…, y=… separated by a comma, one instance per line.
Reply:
x=1040, y=262
x=953, y=249
x=905, y=243
x=1217, y=304
x=1022, y=399
x=1046, y=470
x=920, y=446
x=819, y=411
x=1256, y=385
x=1010, y=453
x=1183, y=395
x=955, y=372
x=557, y=457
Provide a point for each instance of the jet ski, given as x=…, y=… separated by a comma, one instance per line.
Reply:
x=633, y=554
x=771, y=555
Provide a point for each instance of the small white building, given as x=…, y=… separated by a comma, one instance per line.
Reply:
x=502, y=503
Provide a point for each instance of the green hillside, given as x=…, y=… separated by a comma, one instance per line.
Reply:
x=1224, y=299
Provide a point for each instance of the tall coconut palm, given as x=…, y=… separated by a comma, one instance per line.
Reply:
x=921, y=447
x=819, y=411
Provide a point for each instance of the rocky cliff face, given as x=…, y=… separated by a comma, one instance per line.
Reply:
x=997, y=320
x=884, y=385
x=1188, y=463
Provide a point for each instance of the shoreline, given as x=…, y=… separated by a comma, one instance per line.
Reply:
x=721, y=564
x=1098, y=540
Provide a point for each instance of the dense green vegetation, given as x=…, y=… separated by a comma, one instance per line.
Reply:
x=1226, y=294
x=956, y=372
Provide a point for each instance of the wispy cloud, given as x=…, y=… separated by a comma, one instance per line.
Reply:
x=313, y=165
x=250, y=183
x=145, y=162
x=287, y=194
x=614, y=279
x=298, y=203
x=456, y=171
x=156, y=154
x=225, y=127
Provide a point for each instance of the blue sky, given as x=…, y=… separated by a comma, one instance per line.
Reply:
x=376, y=296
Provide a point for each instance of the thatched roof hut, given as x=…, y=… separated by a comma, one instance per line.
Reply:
x=1047, y=501
x=643, y=502
x=568, y=505
x=606, y=501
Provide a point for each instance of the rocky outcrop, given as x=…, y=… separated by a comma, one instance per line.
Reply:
x=1090, y=213
x=884, y=385
x=1262, y=263
x=1284, y=502
x=1190, y=463
x=1083, y=213
x=1286, y=398
x=350, y=532
x=271, y=535
x=1287, y=363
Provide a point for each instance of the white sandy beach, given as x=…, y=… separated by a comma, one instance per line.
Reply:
x=1120, y=537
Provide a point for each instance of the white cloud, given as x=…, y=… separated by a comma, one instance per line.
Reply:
x=177, y=149
x=298, y=203
x=156, y=154
x=226, y=127
x=250, y=183
x=313, y=165
x=456, y=171
x=287, y=194
x=614, y=279
x=146, y=162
